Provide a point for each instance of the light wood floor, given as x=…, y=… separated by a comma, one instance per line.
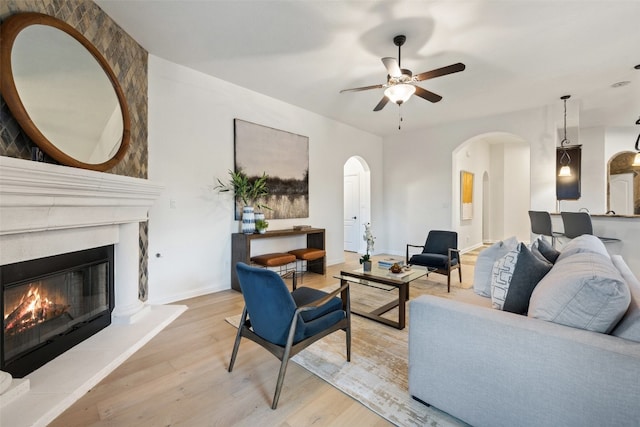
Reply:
x=180, y=378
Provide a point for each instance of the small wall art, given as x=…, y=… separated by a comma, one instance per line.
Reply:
x=284, y=157
x=466, y=195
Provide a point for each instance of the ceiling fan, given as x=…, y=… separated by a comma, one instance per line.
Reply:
x=401, y=83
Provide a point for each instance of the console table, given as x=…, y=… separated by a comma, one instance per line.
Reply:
x=241, y=248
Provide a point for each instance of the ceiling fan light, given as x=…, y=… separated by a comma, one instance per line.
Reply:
x=565, y=171
x=399, y=93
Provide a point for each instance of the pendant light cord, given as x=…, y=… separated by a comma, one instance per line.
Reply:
x=565, y=155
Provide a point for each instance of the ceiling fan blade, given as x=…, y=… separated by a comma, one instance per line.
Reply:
x=358, y=89
x=393, y=69
x=425, y=94
x=381, y=104
x=454, y=68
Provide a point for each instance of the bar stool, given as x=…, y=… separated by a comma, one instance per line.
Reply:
x=280, y=260
x=541, y=224
x=579, y=223
x=306, y=255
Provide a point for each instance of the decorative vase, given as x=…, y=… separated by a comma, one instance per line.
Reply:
x=366, y=266
x=262, y=230
x=248, y=220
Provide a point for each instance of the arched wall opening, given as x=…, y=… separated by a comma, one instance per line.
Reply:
x=500, y=165
x=623, y=184
x=357, y=202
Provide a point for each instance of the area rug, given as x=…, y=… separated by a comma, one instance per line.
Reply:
x=377, y=375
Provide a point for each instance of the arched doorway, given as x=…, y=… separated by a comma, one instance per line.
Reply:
x=500, y=163
x=357, y=202
x=623, y=184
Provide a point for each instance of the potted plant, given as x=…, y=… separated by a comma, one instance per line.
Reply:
x=365, y=259
x=248, y=192
x=261, y=226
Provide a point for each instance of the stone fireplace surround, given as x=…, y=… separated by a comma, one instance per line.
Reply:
x=47, y=210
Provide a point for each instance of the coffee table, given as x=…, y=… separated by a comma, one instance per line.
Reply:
x=379, y=276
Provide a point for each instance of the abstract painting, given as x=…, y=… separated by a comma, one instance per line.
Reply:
x=466, y=195
x=284, y=157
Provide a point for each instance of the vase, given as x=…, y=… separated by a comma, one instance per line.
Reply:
x=248, y=220
x=366, y=266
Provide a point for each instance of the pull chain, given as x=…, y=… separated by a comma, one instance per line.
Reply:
x=400, y=117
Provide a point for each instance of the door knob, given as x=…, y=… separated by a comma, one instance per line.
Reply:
x=354, y=217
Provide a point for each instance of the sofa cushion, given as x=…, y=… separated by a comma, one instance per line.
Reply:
x=583, y=243
x=583, y=291
x=529, y=270
x=484, y=265
x=629, y=327
x=514, y=277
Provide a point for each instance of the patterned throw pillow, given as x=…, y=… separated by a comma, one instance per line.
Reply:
x=501, y=276
x=484, y=265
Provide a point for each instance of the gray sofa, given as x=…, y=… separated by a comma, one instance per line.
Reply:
x=494, y=368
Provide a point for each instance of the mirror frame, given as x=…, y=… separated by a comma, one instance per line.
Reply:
x=11, y=27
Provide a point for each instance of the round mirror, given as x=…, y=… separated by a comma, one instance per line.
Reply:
x=62, y=92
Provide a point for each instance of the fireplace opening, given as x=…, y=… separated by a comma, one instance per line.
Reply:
x=51, y=304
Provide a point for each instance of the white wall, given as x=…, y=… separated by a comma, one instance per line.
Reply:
x=191, y=143
x=419, y=183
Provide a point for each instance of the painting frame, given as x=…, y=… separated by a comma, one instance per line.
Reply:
x=284, y=157
x=466, y=195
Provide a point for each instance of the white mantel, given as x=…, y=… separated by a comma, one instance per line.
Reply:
x=49, y=209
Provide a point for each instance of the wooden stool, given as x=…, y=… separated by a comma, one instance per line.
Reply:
x=277, y=259
x=307, y=255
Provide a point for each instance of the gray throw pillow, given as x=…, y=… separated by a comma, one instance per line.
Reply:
x=484, y=265
x=548, y=251
x=583, y=291
x=583, y=243
x=528, y=271
x=629, y=327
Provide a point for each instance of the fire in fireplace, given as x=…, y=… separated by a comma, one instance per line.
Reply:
x=51, y=304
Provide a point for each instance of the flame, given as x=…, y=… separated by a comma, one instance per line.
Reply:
x=32, y=309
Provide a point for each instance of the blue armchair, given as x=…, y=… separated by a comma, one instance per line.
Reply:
x=440, y=251
x=286, y=322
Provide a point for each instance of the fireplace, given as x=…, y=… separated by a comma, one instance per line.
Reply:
x=51, y=304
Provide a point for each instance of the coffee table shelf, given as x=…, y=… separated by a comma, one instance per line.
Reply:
x=377, y=277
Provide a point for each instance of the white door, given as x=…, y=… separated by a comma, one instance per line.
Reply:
x=351, y=212
x=621, y=193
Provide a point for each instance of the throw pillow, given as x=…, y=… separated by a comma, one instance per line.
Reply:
x=484, y=265
x=629, y=327
x=548, y=251
x=535, y=250
x=584, y=243
x=583, y=291
x=501, y=276
x=528, y=271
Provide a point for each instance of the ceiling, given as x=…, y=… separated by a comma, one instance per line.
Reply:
x=519, y=54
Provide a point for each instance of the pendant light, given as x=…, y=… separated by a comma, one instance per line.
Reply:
x=636, y=161
x=565, y=159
